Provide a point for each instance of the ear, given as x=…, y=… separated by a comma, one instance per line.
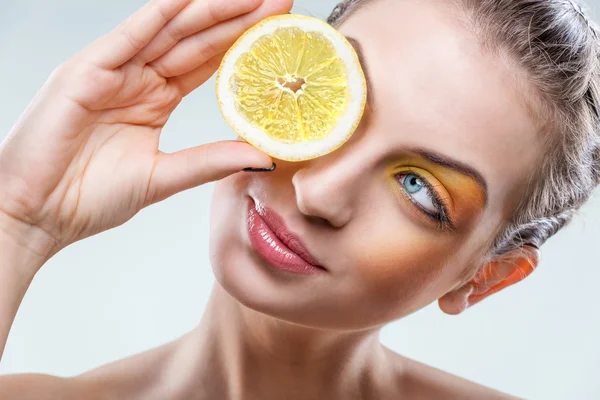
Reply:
x=496, y=275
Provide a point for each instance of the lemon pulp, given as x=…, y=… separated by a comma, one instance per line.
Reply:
x=292, y=85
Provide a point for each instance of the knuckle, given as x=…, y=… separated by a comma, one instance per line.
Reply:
x=81, y=80
x=72, y=70
x=174, y=32
x=161, y=68
x=216, y=10
x=170, y=100
x=157, y=5
x=134, y=41
x=84, y=72
x=60, y=72
x=205, y=49
x=214, y=62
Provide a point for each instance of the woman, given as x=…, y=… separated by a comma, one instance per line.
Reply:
x=479, y=143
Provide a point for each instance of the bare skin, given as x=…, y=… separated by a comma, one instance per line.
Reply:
x=266, y=334
x=217, y=360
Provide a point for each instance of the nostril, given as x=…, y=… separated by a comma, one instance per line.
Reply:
x=319, y=221
x=321, y=212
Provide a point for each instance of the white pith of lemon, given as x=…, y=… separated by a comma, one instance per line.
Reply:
x=293, y=87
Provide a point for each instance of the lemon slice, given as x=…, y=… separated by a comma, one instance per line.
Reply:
x=293, y=87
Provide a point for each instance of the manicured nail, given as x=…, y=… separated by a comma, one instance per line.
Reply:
x=261, y=169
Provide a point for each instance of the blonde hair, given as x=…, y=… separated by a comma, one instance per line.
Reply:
x=557, y=46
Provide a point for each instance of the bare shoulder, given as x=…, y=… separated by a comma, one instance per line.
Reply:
x=416, y=380
x=131, y=378
x=39, y=386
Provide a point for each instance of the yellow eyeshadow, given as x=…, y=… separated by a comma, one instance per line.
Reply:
x=441, y=191
x=466, y=192
x=462, y=194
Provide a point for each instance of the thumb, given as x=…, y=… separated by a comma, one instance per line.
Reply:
x=185, y=169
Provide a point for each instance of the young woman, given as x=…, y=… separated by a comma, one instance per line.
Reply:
x=479, y=142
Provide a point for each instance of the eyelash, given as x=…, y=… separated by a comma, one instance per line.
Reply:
x=442, y=219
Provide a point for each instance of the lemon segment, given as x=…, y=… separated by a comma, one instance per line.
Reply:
x=293, y=87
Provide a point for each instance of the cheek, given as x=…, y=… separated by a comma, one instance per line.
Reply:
x=402, y=267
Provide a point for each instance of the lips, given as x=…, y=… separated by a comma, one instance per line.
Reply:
x=276, y=224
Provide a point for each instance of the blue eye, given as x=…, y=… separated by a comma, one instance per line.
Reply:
x=420, y=193
x=413, y=183
x=423, y=195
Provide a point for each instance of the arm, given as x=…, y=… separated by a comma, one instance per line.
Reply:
x=19, y=262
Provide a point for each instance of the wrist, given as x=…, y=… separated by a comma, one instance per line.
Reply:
x=24, y=247
x=20, y=260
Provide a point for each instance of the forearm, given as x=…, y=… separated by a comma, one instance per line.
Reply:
x=18, y=265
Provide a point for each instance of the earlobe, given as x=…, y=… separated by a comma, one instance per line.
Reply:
x=498, y=274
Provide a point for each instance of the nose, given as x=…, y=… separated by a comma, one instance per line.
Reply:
x=329, y=187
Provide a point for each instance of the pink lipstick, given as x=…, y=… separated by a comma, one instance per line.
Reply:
x=275, y=244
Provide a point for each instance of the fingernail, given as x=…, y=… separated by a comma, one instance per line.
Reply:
x=261, y=169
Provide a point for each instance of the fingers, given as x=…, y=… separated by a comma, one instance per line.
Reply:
x=193, y=51
x=123, y=43
x=189, y=81
x=176, y=172
x=196, y=17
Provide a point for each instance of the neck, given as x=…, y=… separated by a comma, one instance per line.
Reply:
x=247, y=354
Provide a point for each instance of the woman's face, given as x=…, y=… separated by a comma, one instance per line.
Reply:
x=444, y=122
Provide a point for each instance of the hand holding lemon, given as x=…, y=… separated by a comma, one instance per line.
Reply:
x=84, y=156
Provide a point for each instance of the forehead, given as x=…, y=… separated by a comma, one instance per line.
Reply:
x=434, y=88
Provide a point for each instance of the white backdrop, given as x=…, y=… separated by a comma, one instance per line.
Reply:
x=147, y=282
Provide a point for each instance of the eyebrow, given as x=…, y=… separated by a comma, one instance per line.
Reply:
x=363, y=63
x=460, y=167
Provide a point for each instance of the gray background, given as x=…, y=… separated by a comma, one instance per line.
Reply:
x=147, y=282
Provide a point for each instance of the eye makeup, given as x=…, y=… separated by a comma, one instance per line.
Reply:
x=441, y=195
x=438, y=197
